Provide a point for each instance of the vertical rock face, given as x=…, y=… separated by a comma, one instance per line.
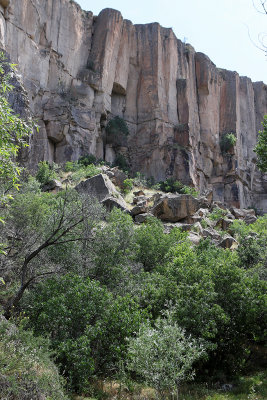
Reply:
x=80, y=71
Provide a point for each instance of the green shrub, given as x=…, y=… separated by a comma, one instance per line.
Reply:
x=217, y=213
x=113, y=250
x=87, y=160
x=117, y=125
x=163, y=355
x=127, y=185
x=85, y=172
x=87, y=325
x=26, y=369
x=261, y=148
x=121, y=162
x=71, y=166
x=154, y=244
x=227, y=141
x=172, y=185
x=45, y=172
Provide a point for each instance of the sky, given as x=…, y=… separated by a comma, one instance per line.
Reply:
x=225, y=30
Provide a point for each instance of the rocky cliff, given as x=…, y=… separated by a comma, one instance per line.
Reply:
x=79, y=70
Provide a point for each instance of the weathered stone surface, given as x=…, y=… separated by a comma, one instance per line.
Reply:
x=80, y=70
x=139, y=209
x=226, y=223
x=175, y=207
x=140, y=199
x=228, y=242
x=194, y=238
x=211, y=233
x=112, y=202
x=168, y=227
x=242, y=213
x=141, y=218
x=53, y=185
x=118, y=177
x=101, y=187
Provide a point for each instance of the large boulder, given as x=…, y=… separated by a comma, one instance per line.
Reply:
x=52, y=186
x=175, y=207
x=101, y=187
x=141, y=218
x=228, y=242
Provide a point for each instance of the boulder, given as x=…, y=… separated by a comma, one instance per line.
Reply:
x=194, y=238
x=175, y=207
x=140, y=199
x=112, y=202
x=250, y=219
x=53, y=185
x=211, y=233
x=139, y=193
x=241, y=213
x=184, y=227
x=139, y=209
x=118, y=177
x=206, y=200
x=228, y=242
x=226, y=223
x=219, y=204
x=141, y=218
x=101, y=187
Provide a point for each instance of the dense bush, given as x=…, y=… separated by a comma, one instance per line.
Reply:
x=127, y=185
x=163, y=356
x=87, y=160
x=117, y=125
x=172, y=185
x=227, y=141
x=87, y=326
x=113, y=250
x=121, y=162
x=45, y=173
x=154, y=244
x=261, y=148
x=26, y=369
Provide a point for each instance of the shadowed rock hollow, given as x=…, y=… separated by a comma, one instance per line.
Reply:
x=79, y=70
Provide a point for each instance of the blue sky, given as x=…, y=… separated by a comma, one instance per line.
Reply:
x=218, y=28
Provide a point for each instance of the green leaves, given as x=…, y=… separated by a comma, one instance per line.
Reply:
x=163, y=355
x=261, y=147
x=14, y=131
x=88, y=326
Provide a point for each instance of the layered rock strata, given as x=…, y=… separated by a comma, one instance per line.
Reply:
x=80, y=70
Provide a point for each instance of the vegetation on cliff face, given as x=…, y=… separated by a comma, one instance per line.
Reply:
x=261, y=148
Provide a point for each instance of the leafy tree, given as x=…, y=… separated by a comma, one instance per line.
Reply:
x=14, y=132
x=27, y=371
x=113, y=250
x=154, y=244
x=45, y=173
x=261, y=147
x=87, y=325
x=39, y=223
x=163, y=355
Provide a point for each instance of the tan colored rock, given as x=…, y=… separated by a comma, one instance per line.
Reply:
x=228, y=242
x=175, y=207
